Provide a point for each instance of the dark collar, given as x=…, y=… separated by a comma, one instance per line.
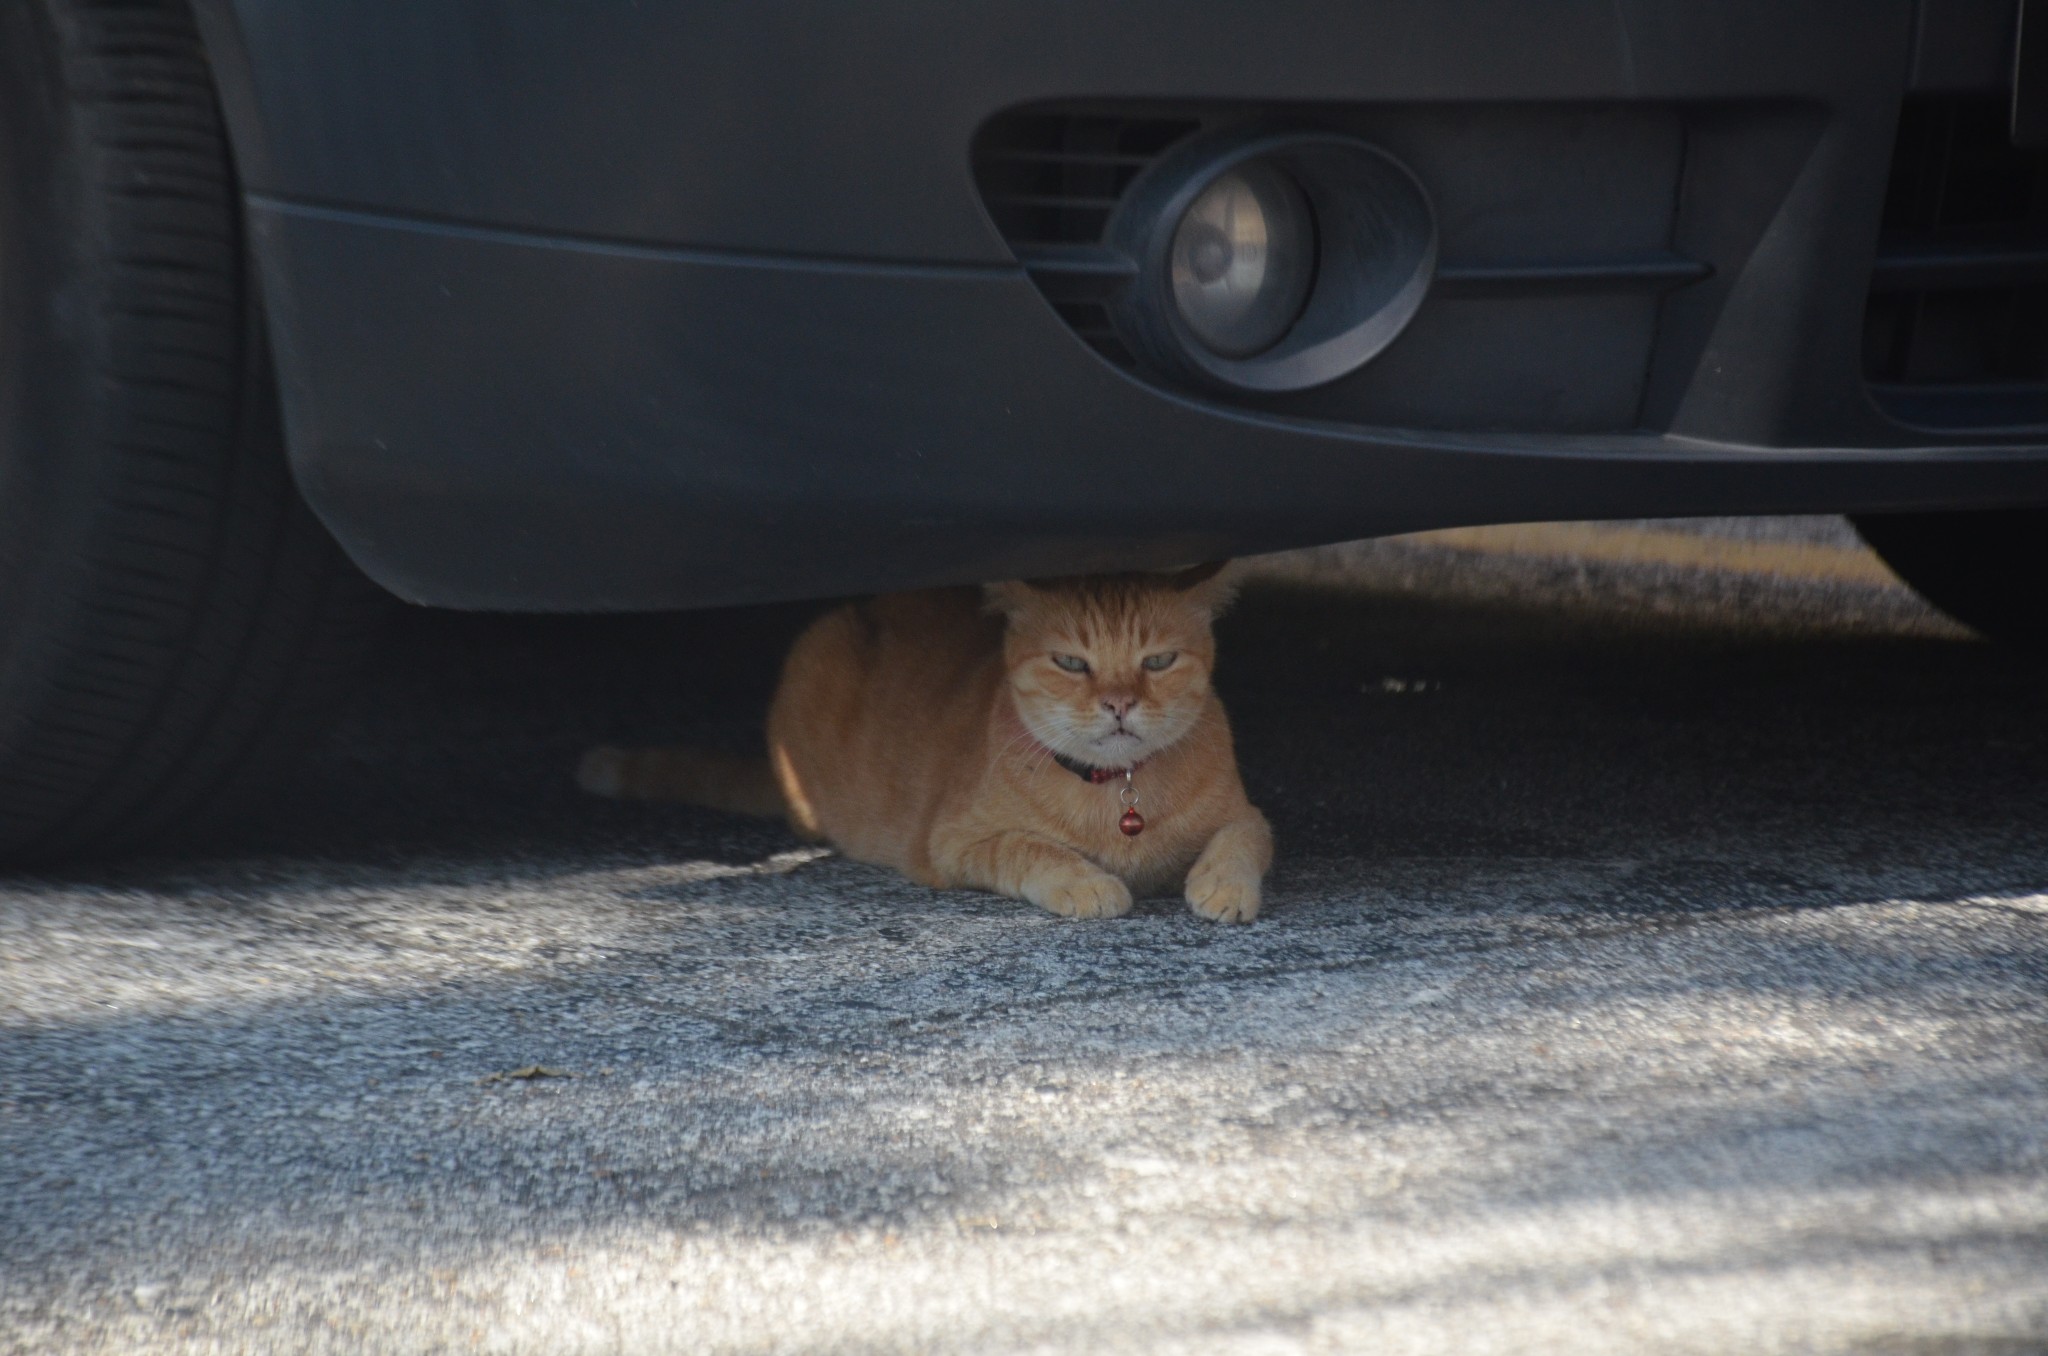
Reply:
x=1098, y=775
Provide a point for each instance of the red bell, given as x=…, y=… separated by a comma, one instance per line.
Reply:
x=1132, y=823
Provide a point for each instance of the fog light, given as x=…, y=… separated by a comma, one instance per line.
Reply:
x=1242, y=259
x=1270, y=260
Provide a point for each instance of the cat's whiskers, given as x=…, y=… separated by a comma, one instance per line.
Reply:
x=1046, y=745
x=1033, y=748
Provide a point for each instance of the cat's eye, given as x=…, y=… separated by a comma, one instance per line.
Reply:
x=1072, y=663
x=1163, y=660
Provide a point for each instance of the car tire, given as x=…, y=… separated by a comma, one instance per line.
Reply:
x=173, y=620
x=1988, y=569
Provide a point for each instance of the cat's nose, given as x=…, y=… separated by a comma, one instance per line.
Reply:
x=1119, y=706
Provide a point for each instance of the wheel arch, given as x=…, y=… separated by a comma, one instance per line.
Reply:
x=227, y=58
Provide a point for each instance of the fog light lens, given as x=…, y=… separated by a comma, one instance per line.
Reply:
x=1242, y=256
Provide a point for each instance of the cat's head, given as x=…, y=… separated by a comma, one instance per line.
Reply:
x=1110, y=669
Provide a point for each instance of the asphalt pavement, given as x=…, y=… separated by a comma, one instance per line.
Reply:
x=1656, y=960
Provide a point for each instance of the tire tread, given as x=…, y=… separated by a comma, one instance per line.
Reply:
x=208, y=621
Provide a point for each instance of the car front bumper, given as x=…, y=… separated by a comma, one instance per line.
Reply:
x=611, y=307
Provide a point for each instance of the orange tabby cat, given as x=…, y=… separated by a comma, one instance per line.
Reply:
x=982, y=740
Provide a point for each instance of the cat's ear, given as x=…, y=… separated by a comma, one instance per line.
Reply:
x=1008, y=598
x=1206, y=585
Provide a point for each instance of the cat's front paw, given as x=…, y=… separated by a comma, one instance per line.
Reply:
x=1223, y=896
x=1098, y=895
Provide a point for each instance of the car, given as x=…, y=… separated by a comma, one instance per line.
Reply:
x=644, y=304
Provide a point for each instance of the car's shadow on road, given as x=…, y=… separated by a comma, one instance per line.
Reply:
x=1370, y=726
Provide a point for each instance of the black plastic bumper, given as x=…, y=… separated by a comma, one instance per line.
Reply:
x=601, y=307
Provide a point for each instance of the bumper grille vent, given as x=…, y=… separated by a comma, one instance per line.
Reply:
x=1052, y=182
x=1955, y=334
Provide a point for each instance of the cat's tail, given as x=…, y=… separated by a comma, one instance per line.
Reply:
x=716, y=781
